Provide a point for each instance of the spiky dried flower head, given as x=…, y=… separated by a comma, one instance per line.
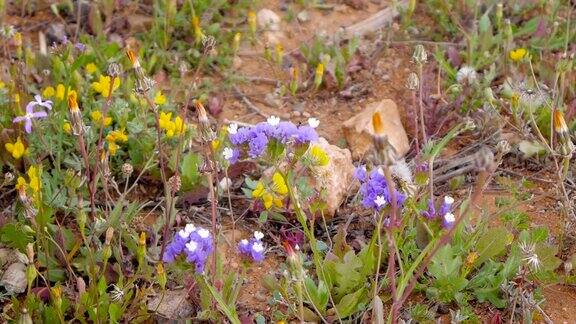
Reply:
x=420, y=55
x=412, y=82
x=127, y=170
x=466, y=75
x=174, y=183
x=114, y=70
x=109, y=235
x=209, y=44
x=484, y=160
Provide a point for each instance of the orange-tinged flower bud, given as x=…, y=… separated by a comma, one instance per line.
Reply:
x=73, y=104
x=559, y=122
x=133, y=58
x=377, y=123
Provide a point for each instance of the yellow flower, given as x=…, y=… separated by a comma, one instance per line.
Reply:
x=60, y=90
x=17, y=98
x=198, y=34
x=215, y=144
x=67, y=127
x=179, y=126
x=117, y=136
x=34, y=176
x=17, y=148
x=268, y=199
x=112, y=147
x=48, y=92
x=259, y=190
x=96, y=117
x=164, y=119
x=21, y=183
x=91, y=68
x=517, y=54
x=319, y=155
x=159, y=99
x=102, y=86
x=278, y=184
x=2, y=85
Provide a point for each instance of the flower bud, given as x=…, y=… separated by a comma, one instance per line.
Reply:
x=127, y=170
x=420, y=55
x=109, y=235
x=174, y=183
x=161, y=275
x=30, y=252
x=114, y=70
x=412, y=82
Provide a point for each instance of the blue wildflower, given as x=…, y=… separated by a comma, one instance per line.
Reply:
x=257, y=145
x=448, y=220
x=195, y=243
x=360, y=173
x=253, y=248
x=375, y=191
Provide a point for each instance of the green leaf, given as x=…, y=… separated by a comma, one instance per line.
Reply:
x=492, y=244
x=318, y=295
x=547, y=255
x=189, y=168
x=348, y=304
x=15, y=236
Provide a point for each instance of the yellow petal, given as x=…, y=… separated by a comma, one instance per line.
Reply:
x=268, y=200
x=259, y=190
x=279, y=184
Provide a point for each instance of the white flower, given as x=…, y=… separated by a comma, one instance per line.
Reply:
x=466, y=75
x=449, y=218
x=225, y=184
x=258, y=235
x=273, y=120
x=257, y=247
x=244, y=242
x=204, y=233
x=117, y=293
x=228, y=153
x=313, y=122
x=380, y=201
x=183, y=234
x=380, y=170
x=233, y=128
x=448, y=200
x=190, y=228
x=530, y=256
x=192, y=246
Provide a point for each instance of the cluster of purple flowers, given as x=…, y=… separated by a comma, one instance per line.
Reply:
x=195, y=242
x=31, y=114
x=253, y=248
x=257, y=137
x=374, y=189
x=444, y=212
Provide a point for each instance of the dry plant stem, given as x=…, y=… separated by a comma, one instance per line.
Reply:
x=483, y=178
x=416, y=128
x=421, y=104
x=391, y=271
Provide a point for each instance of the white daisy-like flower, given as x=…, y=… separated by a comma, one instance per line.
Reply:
x=258, y=235
x=449, y=218
x=117, y=293
x=233, y=128
x=466, y=75
x=228, y=153
x=273, y=120
x=192, y=246
x=380, y=201
x=204, y=233
x=313, y=122
x=530, y=256
x=448, y=200
x=257, y=247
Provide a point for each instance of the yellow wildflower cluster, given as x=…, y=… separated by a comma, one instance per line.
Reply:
x=171, y=127
x=115, y=137
x=34, y=181
x=91, y=68
x=59, y=92
x=102, y=86
x=17, y=149
x=159, y=98
x=67, y=128
x=274, y=195
x=319, y=156
x=96, y=117
x=518, y=54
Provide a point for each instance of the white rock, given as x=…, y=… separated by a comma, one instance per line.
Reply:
x=173, y=305
x=336, y=178
x=358, y=130
x=14, y=278
x=268, y=19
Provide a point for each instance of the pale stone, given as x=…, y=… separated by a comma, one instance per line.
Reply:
x=359, y=131
x=14, y=278
x=336, y=178
x=268, y=19
x=174, y=304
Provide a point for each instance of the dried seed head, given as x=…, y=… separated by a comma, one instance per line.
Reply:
x=466, y=76
x=80, y=285
x=174, y=183
x=208, y=44
x=420, y=55
x=469, y=124
x=109, y=235
x=484, y=159
x=8, y=177
x=30, y=253
x=127, y=170
x=412, y=82
x=503, y=147
x=114, y=70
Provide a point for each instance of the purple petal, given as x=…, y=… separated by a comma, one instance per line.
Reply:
x=28, y=126
x=39, y=114
x=38, y=99
x=19, y=119
x=30, y=107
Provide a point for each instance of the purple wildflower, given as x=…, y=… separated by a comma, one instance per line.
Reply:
x=306, y=134
x=360, y=173
x=448, y=220
x=31, y=114
x=80, y=47
x=285, y=131
x=375, y=192
x=446, y=205
x=196, y=243
x=241, y=136
x=253, y=248
x=257, y=145
x=431, y=212
x=231, y=155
